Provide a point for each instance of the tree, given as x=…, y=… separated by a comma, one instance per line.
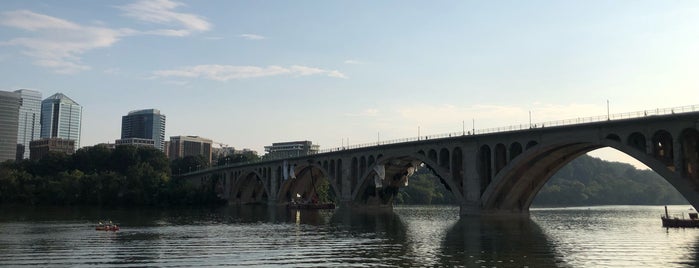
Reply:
x=92, y=159
x=236, y=158
x=188, y=164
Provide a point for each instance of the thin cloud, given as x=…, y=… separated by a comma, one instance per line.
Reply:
x=252, y=37
x=230, y=72
x=57, y=43
x=354, y=62
x=304, y=71
x=163, y=12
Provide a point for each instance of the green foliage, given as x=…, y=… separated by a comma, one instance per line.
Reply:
x=125, y=176
x=325, y=195
x=188, y=164
x=238, y=158
x=425, y=188
x=583, y=182
x=591, y=181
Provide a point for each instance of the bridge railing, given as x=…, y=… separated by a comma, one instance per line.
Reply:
x=575, y=121
x=557, y=123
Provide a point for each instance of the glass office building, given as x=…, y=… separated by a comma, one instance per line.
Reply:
x=144, y=124
x=29, y=120
x=61, y=118
x=9, y=113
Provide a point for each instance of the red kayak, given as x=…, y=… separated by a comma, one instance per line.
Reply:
x=107, y=227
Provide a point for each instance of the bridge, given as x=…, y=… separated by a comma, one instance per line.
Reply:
x=489, y=171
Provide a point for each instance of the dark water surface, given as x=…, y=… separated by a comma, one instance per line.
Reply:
x=618, y=236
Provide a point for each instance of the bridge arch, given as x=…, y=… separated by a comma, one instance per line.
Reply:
x=249, y=188
x=515, y=150
x=613, y=137
x=396, y=167
x=514, y=189
x=432, y=155
x=307, y=182
x=444, y=158
x=637, y=140
x=662, y=147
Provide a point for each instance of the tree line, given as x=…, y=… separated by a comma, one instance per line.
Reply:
x=124, y=176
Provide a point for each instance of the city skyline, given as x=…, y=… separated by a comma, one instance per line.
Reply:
x=250, y=74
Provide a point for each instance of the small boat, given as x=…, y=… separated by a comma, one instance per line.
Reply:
x=680, y=221
x=106, y=227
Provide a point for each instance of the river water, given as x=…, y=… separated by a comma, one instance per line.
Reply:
x=412, y=236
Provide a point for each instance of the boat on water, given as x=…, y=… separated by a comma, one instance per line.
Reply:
x=679, y=221
x=107, y=226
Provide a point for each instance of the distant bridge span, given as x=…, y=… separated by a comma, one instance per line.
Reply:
x=496, y=170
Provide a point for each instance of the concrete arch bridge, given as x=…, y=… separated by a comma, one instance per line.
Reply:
x=492, y=172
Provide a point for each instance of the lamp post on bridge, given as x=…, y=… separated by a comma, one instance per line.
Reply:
x=473, y=125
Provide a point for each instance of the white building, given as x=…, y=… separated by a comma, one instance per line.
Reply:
x=291, y=149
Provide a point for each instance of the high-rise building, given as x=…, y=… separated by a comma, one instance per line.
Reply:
x=9, y=113
x=29, y=120
x=61, y=118
x=144, y=124
x=181, y=146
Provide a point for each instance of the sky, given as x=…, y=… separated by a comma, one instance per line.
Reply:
x=250, y=73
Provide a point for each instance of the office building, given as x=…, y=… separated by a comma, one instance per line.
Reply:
x=9, y=114
x=138, y=142
x=29, y=120
x=61, y=118
x=144, y=124
x=41, y=147
x=291, y=149
x=110, y=146
x=181, y=146
x=166, y=148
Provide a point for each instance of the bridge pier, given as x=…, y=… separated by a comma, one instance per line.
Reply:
x=471, y=204
x=470, y=209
